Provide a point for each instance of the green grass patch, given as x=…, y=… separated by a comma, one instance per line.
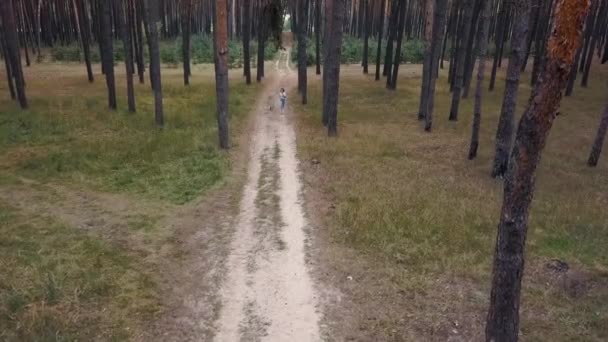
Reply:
x=59, y=284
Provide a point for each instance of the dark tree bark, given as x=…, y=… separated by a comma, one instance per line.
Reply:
x=108, y=52
x=261, y=44
x=152, y=9
x=593, y=42
x=7, y=64
x=317, y=36
x=246, y=27
x=379, y=50
x=327, y=40
x=221, y=60
x=332, y=66
x=534, y=126
x=139, y=23
x=459, y=78
x=392, y=30
x=302, y=57
x=482, y=46
x=13, y=56
x=596, y=150
x=438, y=31
x=534, y=23
x=126, y=40
x=366, y=29
x=427, y=61
x=470, y=55
x=506, y=121
x=186, y=16
x=391, y=80
x=85, y=37
x=573, y=73
x=498, y=39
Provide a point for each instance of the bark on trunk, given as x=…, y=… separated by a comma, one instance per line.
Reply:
x=599, y=139
x=428, y=57
x=366, y=29
x=221, y=60
x=302, y=57
x=186, y=16
x=332, y=66
x=506, y=121
x=152, y=8
x=459, y=78
x=126, y=40
x=498, y=39
x=381, y=30
x=108, y=52
x=391, y=80
x=438, y=32
x=503, y=314
x=13, y=55
x=482, y=45
x=246, y=27
x=317, y=36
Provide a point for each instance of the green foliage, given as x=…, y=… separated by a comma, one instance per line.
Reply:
x=201, y=52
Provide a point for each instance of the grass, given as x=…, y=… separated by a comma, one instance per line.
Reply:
x=413, y=200
x=77, y=139
x=76, y=262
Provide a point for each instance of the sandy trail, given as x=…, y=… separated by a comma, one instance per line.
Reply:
x=268, y=294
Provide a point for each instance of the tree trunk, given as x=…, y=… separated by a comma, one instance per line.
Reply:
x=332, y=66
x=317, y=36
x=261, y=41
x=534, y=126
x=327, y=41
x=246, y=27
x=366, y=29
x=459, y=79
x=594, y=37
x=108, y=52
x=84, y=33
x=391, y=80
x=482, y=46
x=7, y=64
x=599, y=139
x=506, y=122
x=139, y=21
x=221, y=60
x=152, y=9
x=427, y=61
x=438, y=32
x=498, y=40
x=123, y=26
x=13, y=55
x=302, y=57
x=392, y=24
x=186, y=16
x=379, y=50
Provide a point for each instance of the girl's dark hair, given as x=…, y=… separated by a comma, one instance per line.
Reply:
x=282, y=89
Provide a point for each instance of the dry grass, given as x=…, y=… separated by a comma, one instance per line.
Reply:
x=412, y=202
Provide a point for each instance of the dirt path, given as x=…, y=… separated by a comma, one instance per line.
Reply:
x=268, y=294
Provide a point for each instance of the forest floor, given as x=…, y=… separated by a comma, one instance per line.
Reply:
x=111, y=229
x=404, y=225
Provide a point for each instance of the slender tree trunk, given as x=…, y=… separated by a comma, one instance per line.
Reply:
x=594, y=38
x=459, y=79
x=221, y=59
x=85, y=32
x=317, y=36
x=246, y=39
x=498, y=40
x=366, y=29
x=438, y=32
x=327, y=42
x=470, y=56
x=7, y=64
x=596, y=150
x=261, y=42
x=381, y=30
x=13, y=55
x=152, y=9
x=126, y=40
x=573, y=73
x=391, y=80
x=302, y=56
x=534, y=19
x=392, y=24
x=534, y=126
x=332, y=66
x=506, y=122
x=428, y=58
x=186, y=16
x=108, y=55
x=139, y=22
x=482, y=46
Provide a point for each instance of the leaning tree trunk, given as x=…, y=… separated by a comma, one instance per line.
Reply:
x=379, y=50
x=460, y=68
x=186, y=26
x=108, y=52
x=221, y=69
x=152, y=9
x=85, y=34
x=503, y=314
x=126, y=40
x=332, y=66
x=594, y=38
x=599, y=139
x=302, y=57
x=7, y=64
x=13, y=55
x=482, y=45
x=246, y=39
x=506, y=121
x=499, y=39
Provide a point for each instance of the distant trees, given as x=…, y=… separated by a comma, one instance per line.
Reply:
x=107, y=48
x=534, y=126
